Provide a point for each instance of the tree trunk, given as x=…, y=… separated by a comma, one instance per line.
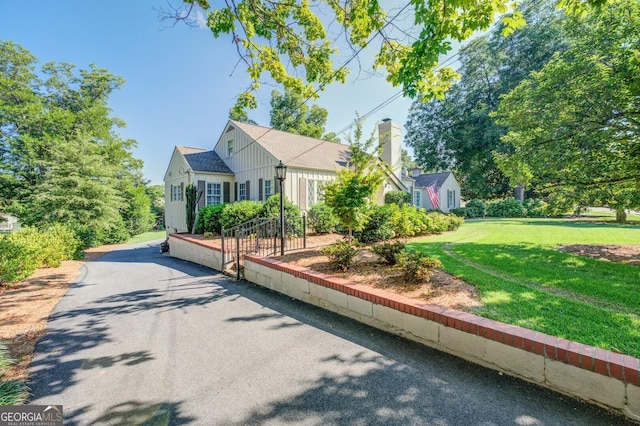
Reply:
x=621, y=216
x=518, y=192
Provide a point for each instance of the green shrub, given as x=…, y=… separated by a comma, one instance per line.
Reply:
x=506, y=208
x=21, y=253
x=535, y=207
x=398, y=198
x=378, y=225
x=389, y=251
x=341, y=254
x=113, y=233
x=475, y=208
x=209, y=219
x=18, y=260
x=292, y=213
x=236, y=213
x=321, y=219
x=459, y=211
x=416, y=267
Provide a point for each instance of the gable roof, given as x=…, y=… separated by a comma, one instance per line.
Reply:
x=428, y=179
x=201, y=160
x=296, y=150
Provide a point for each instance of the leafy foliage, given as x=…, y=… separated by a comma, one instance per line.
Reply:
x=397, y=197
x=22, y=252
x=573, y=126
x=236, y=213
x=209, y=219
x=290, y=43
x=389, y=251
x=378, y=225
x=61, y=159
x=474, y=209
x=291, y=114
x=409, y=221
x=506, y=208
x=341, y=254
x=355, y=185
x=321, y=219
x=416, y=267
x=192, y=196
x=457, y=132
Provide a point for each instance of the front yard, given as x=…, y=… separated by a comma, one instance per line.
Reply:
x=523, y=279
x=524, y=272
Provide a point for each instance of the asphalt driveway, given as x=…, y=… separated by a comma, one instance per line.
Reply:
x=143, y=338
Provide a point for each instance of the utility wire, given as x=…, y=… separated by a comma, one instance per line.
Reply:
x=322, y=85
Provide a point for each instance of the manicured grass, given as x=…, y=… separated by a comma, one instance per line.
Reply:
x=147, y=236
x=523, y=280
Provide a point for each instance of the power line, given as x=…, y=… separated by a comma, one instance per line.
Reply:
x=322, y=85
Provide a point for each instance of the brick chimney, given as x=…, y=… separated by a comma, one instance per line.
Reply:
x=390, y=135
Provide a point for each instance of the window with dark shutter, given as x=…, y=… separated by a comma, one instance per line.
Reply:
x=260, y=191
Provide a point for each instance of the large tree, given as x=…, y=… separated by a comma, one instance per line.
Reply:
x=574, y=125
x=61, y=159
x=290, y=113
x=457, y=133
x=290, y=42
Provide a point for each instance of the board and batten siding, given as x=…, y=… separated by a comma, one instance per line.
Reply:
x=296, y=184
x=249, y=161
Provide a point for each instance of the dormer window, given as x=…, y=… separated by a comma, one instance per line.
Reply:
x=230, y=147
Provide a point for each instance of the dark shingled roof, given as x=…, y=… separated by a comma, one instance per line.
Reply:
x=427, y=179
x=201, y=160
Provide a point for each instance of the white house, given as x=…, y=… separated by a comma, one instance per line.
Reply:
x=241, y=166
x=434, y=190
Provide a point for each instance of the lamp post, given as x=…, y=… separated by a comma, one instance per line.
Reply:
x=281, y=174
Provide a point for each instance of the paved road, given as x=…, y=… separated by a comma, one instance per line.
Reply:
x=142, y=337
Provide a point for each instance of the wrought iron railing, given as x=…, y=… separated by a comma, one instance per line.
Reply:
x=261, y=236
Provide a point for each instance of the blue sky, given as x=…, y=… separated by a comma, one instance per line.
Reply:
x=179, y=86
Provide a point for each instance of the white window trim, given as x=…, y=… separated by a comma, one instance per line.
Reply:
x=242, y=191
x=268, y=193
x=230, y=147
x=212, y=197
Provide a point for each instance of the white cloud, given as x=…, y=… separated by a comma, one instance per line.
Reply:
x=200, y=20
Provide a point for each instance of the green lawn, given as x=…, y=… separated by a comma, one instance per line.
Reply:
x=523, y=280
x=147, y=236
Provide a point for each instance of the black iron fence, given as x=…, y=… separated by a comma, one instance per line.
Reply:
x=261, y=236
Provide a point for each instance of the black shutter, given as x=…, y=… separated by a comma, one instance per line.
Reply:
x=260, y=189
x=201, y=186
x=226, y=192
x=170, y=192
x=247, y=195
x=181, y=191
x=235, y=191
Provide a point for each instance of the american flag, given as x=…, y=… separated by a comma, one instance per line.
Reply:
x=432, y=192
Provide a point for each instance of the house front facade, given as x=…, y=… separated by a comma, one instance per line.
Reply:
x=241, y=166
x=434, y=190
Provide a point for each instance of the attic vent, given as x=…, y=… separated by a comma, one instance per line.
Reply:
x=230, y=128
